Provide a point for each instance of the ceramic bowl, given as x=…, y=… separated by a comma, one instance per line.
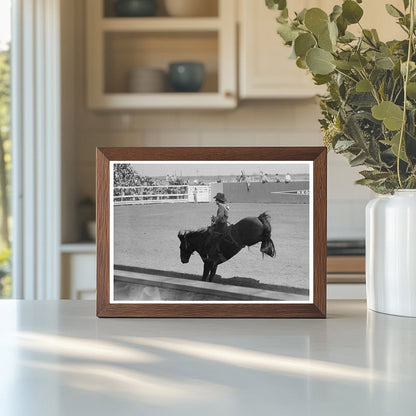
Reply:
x=147, y=80
x=135, y=8
x=186, y=76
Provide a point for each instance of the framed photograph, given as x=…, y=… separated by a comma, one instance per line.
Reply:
x=211, y=232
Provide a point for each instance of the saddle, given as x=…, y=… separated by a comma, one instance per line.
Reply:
x=216, y=239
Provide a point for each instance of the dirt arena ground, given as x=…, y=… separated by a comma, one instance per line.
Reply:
x=146, y=236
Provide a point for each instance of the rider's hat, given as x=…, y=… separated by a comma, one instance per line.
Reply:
x=220, y=197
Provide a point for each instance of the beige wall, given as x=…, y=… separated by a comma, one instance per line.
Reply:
x=253, y=123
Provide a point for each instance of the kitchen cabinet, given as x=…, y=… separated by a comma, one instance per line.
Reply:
x=265, y=70
x=118, y=45
x=346, y=277
x=78, y=262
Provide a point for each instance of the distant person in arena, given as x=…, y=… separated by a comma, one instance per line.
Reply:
x=287, y=178
x=219, y=222
x=244, y=178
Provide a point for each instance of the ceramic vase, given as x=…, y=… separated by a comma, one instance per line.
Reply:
x=391, y=253
x=186, y=76
x=135, y=8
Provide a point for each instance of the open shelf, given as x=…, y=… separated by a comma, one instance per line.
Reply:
x=168, y=100
x=160, y=24
x=87, y=247
x=211, y=9
x=119, y=45
x=126, y=51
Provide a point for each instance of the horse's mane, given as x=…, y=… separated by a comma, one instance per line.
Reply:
x=194, y=232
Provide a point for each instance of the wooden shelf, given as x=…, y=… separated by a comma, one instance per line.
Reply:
x=80, y=247
x=117, y=45
x=197, y=100
x=346, y=269
x=346, y=264
x=160, y=24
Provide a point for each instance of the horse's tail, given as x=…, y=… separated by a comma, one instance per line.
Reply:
x=267, y=245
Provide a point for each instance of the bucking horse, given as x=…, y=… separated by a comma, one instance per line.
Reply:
x=244, y=233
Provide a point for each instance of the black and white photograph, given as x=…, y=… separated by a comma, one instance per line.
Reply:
x=184, y=231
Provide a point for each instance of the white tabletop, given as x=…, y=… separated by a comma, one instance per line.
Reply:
x=57, y=358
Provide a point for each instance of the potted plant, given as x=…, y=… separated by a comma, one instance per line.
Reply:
x=368, y=116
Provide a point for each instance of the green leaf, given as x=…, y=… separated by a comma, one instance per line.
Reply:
x=343, y=145
x=333, y=32
x=393, y=11
x=362, y=99
x=319, y=61
x=342, y=25
x=287, y=33
x=303, y=43
x=384, y=62
x=374, y=150
x=325, y=42
x=344, y=65
x=358, y=61
x=411, y=90
x=351, y=11
x=336, y=12
x=321, y=79
x=301, y=63
x=388, y=112
x=347, y=37
x=406, y=4
x=358, y=160
x=375, y=35
x=412, y=67
x=374, y=174
x=276, y=4
x=396, y=70
x=292, y=52
x=301, y=15
x=368, y=36
x=316, y=20
x=281, y=19
x=394, y=144
x=365, y=182
x=405, y=21
x=363, y=86
x=382, y=89
x=353, y=131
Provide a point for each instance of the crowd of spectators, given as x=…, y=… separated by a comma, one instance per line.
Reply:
x=263, y=178
x=128, y=183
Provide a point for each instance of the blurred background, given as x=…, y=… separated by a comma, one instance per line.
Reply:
x=145, y=73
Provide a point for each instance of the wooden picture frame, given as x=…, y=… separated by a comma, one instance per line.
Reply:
x=111, y=159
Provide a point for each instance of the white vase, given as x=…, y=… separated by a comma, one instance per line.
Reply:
x=391, y=253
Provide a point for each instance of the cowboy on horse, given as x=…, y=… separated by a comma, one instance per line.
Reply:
x=220, y=242
x=219, y=221
x=219, y=225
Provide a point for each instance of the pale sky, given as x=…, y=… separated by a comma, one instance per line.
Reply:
x=220, y=169
x=5, y=20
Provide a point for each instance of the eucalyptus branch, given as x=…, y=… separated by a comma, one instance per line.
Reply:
x=392, y=91
x=373, y=88
x=346, y=75
x=406, y=80
x=390, y=101
x=398, y=95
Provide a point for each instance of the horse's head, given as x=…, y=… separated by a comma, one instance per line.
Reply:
x=185, y=248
